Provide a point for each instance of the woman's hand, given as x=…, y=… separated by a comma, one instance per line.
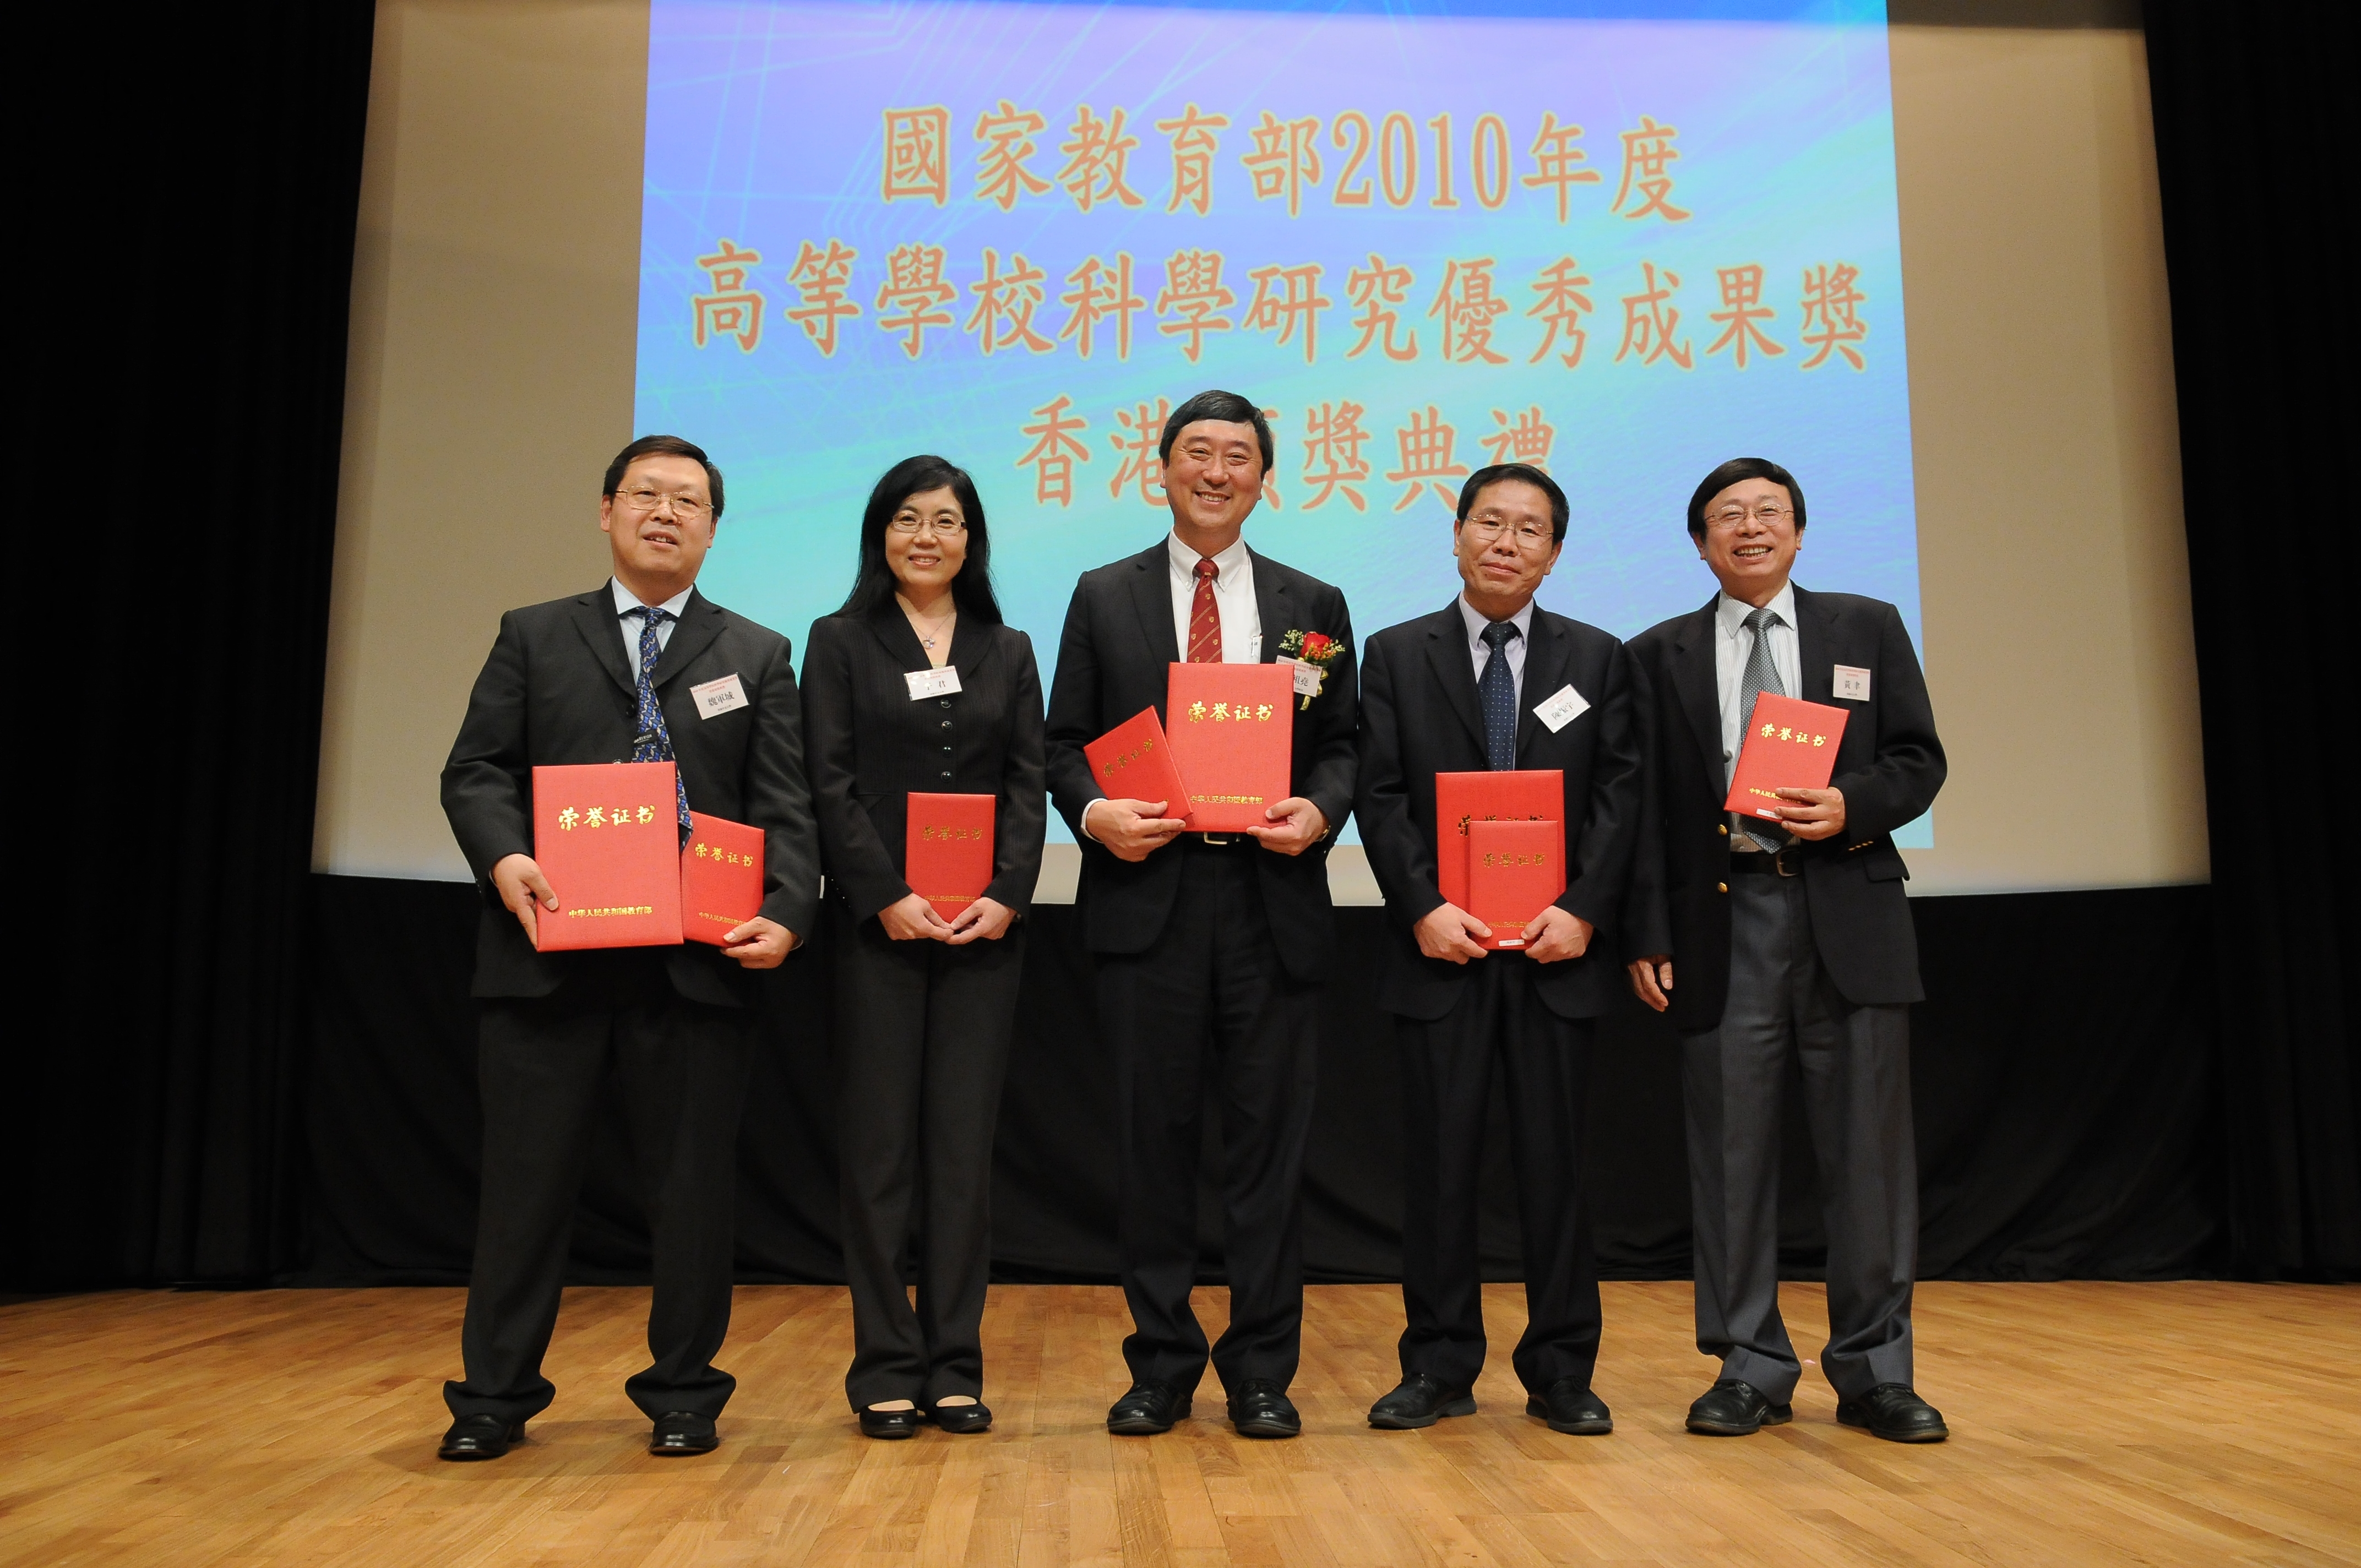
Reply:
x=987, y=920
x=911, y=918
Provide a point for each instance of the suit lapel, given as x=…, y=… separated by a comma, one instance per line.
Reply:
x=1814, y=665
x=892, y=629
x=1274, y=607
x=602, y=632
x=1446, y=651
x=1546, y=656
x=700, y=623
x=1694, y=684
x=1151, y=593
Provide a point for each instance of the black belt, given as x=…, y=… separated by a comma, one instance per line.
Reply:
x=1240, y=839
x=1788, y=861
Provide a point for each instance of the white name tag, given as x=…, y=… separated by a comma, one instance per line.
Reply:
x=1308, y=677
x=717, y=697
x=1561, y=708
x=1851, y=685
x=933, y=683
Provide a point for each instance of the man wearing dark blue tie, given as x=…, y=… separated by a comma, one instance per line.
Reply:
x=1494, y=682
x=643, y=668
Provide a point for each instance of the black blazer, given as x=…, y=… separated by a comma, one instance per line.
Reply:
x=1889, y=766
x=1113, y=661
x=1421, y=716
x=869, y=745
x=557, y=689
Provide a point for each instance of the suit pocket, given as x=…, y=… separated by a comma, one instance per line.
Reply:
x=1884, y=864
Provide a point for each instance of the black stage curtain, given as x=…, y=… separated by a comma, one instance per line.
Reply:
x=181, y=391
x=2068, y=1110
x=2253, y=142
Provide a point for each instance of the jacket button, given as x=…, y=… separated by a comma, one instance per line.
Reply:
x=1723, y=830
x=944, y=702
x=947, y=748
x=947, y=724
x=947, y=772
x=1721, y=887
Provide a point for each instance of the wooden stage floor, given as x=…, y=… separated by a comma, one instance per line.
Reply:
x=2185, y=1423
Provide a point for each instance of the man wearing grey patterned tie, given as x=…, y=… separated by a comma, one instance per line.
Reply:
x=1790, y=941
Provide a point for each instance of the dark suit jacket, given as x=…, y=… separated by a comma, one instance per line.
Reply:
x=1889, y=766
x=557, y=689
x=1114, y=660
x=869, y=745
x=1421, y=716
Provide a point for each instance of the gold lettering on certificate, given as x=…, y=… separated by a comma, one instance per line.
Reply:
x=614, y=910
x=972, y=835
x=1228, y=799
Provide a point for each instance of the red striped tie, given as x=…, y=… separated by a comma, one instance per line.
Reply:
x=1205, y=620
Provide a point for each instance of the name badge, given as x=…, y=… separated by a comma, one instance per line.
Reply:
x=933, y=683
x=1561, y=708
x=1851, y=685
x=1308, y=677
x=717, y=697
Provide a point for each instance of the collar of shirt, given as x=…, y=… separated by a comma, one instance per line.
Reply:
x=1730, y=614
x=1185, y=561
x=626, y=601
x=630, y=625
x=1523, y=620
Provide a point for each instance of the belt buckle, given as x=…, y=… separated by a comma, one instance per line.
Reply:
x=1218, y=840
x=1779, y=861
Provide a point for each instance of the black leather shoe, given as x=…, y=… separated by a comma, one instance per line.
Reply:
x=891, y=1423
x=682, y=1432
x=1420, y=1400
x=480, y=1437
x=961, y=1418
x=1894, y=1412
x=1259, y=1408
x=1149, y=1408
x=1569, y=1406
x=1733, y=1407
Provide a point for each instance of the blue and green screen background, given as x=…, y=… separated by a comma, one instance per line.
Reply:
x=766, y=127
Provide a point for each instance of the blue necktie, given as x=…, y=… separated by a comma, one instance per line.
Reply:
x=653, y=742
x=1497, y=692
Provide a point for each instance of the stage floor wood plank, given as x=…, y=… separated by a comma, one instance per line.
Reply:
x=2191, y=1424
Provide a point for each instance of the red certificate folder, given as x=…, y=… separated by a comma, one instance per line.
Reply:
x=1789, y=744
x=1515, y=870
x=946, y=849
x=1525, y=794
x=720, y=877
x=607, y=838
x=1132, y=761
x=1233, y=741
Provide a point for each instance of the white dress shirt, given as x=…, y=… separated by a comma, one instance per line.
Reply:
x=1733, y=645
x=1481, y=652
x=626, y=601
x=1234, y=599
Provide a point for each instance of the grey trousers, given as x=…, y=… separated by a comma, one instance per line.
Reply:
x=1856, y=1078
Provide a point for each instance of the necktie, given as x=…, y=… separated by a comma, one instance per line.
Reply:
x=1204, y=618
x=1497, y=692
x=1760, y=676
x=653, y=742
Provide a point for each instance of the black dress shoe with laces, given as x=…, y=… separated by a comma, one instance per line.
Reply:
x=891, y=1423
x=1894, y=1412
x=959, y=1419
x=1570, y=1406
x=1420, y=1400
x=1734, y=1408
x=1147, y=1408
x=480, y=1437
x=681, y=1432
x=1260, y=1407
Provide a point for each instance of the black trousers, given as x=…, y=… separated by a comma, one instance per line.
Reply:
x=680, y=1068
x=1209, y=1006
x=922, y=1031
x=1447, y=1065
x=1855, y=1064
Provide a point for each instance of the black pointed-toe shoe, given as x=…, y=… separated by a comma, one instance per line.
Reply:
x=1894, y=1412
x=1260, y=1407
x=1569, y=1406
x=1420, y=1400
x=891, y=1423
x=1734, y=1408
x=480, y=1437
x=681, y=1432
x=959, y=1420
x=1148, y=1408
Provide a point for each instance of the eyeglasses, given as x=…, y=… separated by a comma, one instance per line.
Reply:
x=910, y=522
x=688, y=509
x=1770, y=514
x=1529, y=535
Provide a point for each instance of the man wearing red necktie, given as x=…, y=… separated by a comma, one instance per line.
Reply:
x=1210, y=947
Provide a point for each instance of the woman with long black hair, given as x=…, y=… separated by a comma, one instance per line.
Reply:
x=916, y=684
